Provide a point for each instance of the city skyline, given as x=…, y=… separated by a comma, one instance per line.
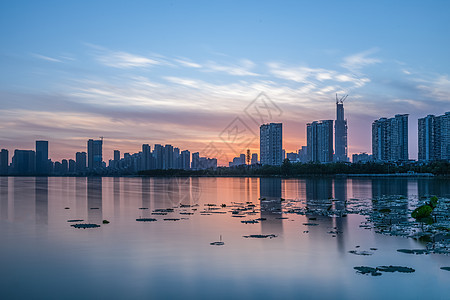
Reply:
x=140, y=86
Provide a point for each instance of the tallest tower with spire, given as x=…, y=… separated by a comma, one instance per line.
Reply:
x=340, y=131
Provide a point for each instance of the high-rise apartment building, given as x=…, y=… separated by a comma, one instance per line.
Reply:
x=319, y=137
x=390, y=139
x=80, y=161
x=158, y=155
x=434, y=137
x=24, y=162
x=42, y=157
x=195, y=160
x=271, y=144
x=95, y=154
x=185, y=157
x=146, y=161
x=4, y=161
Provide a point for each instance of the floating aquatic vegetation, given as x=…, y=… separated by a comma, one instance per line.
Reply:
x=414, y=251
x=260, y=236
x=106, y=222
x=217, y=243
x=146, y=220
x=159, y=213
x=363, y=253
x=76, y=220
x=186, y=213
x=66, y=207
x=310, y=224
x=143, y=207
x=171, y=219
x=95, y=208
x=377, y=271
x=392, y=269
x=249, y=221
x=445, y=268
x=85, y=226
x=367, y=270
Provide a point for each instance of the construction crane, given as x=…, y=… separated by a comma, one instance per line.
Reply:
x=341, y=100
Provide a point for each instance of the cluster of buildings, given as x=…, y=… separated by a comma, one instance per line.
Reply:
x=389, y=144
x=389, y=140
x=37, y=162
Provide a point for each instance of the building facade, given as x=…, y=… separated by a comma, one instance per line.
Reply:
x=95, y=154
x=42, y=157
x=390, y=139
x=319, y=137
x=434, y=137
x=271, y=144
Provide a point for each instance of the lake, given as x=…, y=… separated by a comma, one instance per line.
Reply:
x=43, y=256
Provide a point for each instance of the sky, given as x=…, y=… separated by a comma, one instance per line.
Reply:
x=203, y=75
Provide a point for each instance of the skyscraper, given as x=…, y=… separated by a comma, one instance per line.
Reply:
x=434, y=137
x=95, y=154
x=158, y=155
x=168, y=157
x=146, y=157
x=195, y=160
x=4, y=161
x=185, y=159
x=390, y=139
x=24, y=162
x=319, y=137
x=42, y=157
x=340, y=132
x=80, y=161
x=271, y=144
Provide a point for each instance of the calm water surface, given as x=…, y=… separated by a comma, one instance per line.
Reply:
x=42, y=256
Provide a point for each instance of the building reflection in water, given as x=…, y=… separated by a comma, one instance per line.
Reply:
x=428, y=187
x=391, y=194
x=328, y=196
x=94, y=199
x=270, y=195
x=80, y=197
x=24, y=198
x=319, y=191
x=146, y=197
x=116, y=196
x=41, y=198
x=4, y=205
x=340, y=205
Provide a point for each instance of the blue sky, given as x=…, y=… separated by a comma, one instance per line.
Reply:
x=179, y=72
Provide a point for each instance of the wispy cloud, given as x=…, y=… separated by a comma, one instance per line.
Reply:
x=187, y=63
x=47, y=58
x=306, y=75
x=123, y=60
x=356, y=62
x=242, y=69
x=439, y=88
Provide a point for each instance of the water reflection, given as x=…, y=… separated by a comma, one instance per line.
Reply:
x=270, y=194
x=94, y=199
x=116, y=196
x=146, y=197
x=24, y=206
x=391, y=194
x=41, y=196
x=4, y=181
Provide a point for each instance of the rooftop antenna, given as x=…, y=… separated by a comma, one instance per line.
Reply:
x=340, y=100
x=101, y=137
